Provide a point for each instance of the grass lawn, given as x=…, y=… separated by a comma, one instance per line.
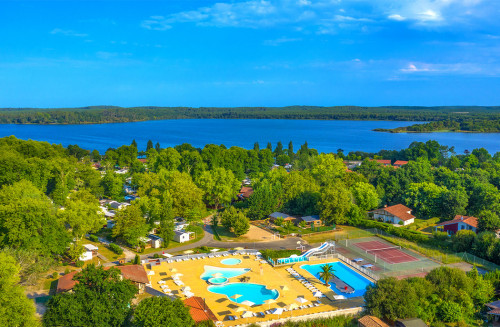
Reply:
x=105, y=251
x=342, y=232
x=173, y=244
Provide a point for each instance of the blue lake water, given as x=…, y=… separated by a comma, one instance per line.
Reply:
x=344, y=273
x=323, y=135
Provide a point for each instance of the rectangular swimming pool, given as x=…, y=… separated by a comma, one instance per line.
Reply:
x=344, y=273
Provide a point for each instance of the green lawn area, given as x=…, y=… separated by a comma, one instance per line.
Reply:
x=105, y=251
x=173, y=244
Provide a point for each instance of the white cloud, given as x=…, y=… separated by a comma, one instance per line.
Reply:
x=322, y=16
x=461, y=68
x=280, y=41
x=397, y=17
x=67, y=32
x=156, y=23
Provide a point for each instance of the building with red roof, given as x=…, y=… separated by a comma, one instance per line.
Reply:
x=399, y=163
x=396, y=214
x=458, y=223
x=371, y=321
x=135, y=273
x=199, y=310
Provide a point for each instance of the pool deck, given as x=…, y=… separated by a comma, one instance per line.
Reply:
x=265, y=274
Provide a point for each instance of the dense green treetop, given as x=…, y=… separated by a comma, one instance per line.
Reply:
x=101, y=298
x=16, y=309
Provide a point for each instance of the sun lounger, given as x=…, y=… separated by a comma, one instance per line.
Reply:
x=367, y=266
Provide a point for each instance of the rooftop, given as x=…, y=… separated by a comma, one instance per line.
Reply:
x=371, y=321
x=278, y=215
x=398, y=210
x=468, y=220
x=310, y=218
x=198, y=309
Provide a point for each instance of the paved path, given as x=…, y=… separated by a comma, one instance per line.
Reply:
x=208, y=240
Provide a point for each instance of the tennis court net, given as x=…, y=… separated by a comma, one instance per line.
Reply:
x=375, y=251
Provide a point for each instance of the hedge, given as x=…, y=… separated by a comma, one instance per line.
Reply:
x=115, y=248
x=278, y=254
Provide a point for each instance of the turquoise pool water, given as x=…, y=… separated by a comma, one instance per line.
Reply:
x=218, y=280
x=255, y=293
x=346, y=274
x=231, y=261
x=224, y=272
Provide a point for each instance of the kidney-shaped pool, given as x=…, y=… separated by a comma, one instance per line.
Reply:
x=255, y=293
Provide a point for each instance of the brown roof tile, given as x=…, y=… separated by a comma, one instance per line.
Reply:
x=398, y=210
x=66, y=282
x=246, y=191
x=400, y=162
x=371, y=321
x=135, y=273
x=199, y=310
x=468, y=220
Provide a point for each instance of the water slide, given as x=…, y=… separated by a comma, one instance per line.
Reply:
x=319, y=250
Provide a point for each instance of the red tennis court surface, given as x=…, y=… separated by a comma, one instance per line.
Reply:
x=389, y=255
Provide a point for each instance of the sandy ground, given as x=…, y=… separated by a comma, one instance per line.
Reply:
x=222, y=306
x=256, y=234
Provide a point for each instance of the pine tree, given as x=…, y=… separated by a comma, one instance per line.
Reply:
x=150, y=145
x=157, y=147
x=256, y=146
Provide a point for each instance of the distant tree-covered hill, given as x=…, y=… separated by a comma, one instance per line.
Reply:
x=451, y=118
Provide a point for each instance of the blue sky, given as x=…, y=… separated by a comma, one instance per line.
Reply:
x=249, y=53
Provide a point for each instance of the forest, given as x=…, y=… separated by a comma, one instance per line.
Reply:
x=477, y=119
x=49, y=199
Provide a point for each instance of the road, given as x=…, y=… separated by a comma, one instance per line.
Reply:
x=208, y=240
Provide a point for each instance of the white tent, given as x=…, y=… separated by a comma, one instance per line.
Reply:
x=167, y=255
x=214, y=250
x=278, y=311
x=247, y=314
x=318, y=294
x=246, y=302
x=301, y=300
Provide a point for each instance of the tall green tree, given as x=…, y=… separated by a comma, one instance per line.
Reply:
x=101, y=298
x=28, y=220
x=335, y=203
x=81, y=211
x=365, y=196
x=112, y=185
x=130, y=225
x=16, y=309
x=219, y=185
x=161, y=311
x=488, y=221
x=149, y=145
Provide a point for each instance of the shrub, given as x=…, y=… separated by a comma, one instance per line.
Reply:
x=115, y=248
x=66, y=271
x=55, y=274
x=79, y=263
x=277, y=254
x=93, y=238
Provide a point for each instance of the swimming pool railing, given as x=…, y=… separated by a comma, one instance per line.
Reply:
x=352, y=264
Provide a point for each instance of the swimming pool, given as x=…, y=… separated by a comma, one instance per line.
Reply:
x=223, y=272
x=231, y=261
x=255, y=293
x=217, y=280
x=344, y=273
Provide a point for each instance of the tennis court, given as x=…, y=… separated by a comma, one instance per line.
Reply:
x=392, y=254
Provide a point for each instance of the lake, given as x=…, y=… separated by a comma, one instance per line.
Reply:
x=323, y=135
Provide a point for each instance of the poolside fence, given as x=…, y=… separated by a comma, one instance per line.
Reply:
x=159, y=261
